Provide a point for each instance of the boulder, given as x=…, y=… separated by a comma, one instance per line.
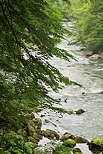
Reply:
x=80, y=111
x=77, y=151
x=96, y=144
x=31, y=130
x=37, y=137
x=69, y=143
x=50, y=134
x=32, y=139
x=95, y=56
x=66, y=136
x=79, y=139
x=37, y=122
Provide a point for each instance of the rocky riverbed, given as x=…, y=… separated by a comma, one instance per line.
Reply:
x=87, y=71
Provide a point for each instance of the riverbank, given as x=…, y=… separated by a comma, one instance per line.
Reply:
x=89, y=73
x=51, y=142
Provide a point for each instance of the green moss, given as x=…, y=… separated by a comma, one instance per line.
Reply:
x=37, y=136
x=66, y=136
x=31, y=130
x=96, y=144
x=69, y=143
x=32, y=123
x=31, y=144
x=51, y=134
x=37, y=122
x=33, y=140
x=98, y=141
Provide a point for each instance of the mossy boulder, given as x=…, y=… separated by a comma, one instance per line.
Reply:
x=32, y=139
x=79, y=139
x=37, y=122
x=69, y=143
x=96, y=144
x=37, y=136
x=39, y=131
x=31, y=123
x=80, y=111
x=34, y=125
x=31, y=130
x=66, y=136
x=77, y=151
x=50, y=134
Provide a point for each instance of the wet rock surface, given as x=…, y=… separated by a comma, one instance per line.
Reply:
x=96, y=145
x=80, y=111
x=79, y=139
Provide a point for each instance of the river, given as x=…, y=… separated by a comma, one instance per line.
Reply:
x=89, y=73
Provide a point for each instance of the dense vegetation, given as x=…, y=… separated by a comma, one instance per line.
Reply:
x=30, y=30
x=28, y=26
x=89, y=15
x=63, y=7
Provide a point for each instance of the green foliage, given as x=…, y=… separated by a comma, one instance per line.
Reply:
x=30, y=30
x=69, y=143
x=62, y=6
x=29, y=33
x=89, y=23
x=11, y=142
x=62, y=150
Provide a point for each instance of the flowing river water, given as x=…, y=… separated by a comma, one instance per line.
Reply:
x=89, y=73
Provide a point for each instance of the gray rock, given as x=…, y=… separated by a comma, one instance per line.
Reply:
x=79, y=139
x=80, y=111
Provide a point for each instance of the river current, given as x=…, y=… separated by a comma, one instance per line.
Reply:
x=89, y=73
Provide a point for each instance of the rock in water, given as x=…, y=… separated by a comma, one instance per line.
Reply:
x=66, y=136
x=50, y=134
x=80, y=111
x=96, y=144
x=79, y=139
